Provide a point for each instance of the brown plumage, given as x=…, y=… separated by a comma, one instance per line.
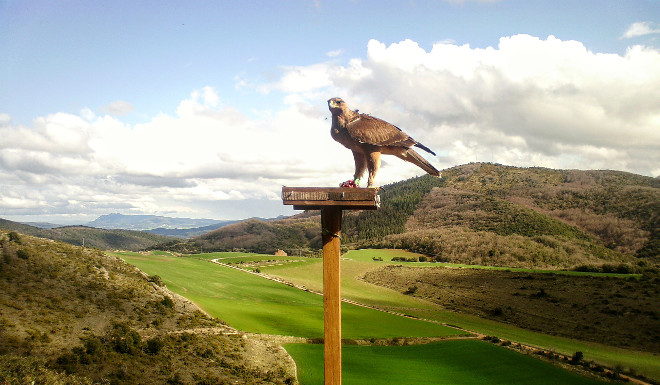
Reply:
x=369, y=137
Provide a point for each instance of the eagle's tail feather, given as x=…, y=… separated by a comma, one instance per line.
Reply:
x=413, y=157
x=423, y=147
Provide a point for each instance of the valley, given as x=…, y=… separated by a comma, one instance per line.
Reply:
x=553, y=272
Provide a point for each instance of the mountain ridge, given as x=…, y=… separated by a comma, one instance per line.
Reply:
x=486, y=213
x=141, y=222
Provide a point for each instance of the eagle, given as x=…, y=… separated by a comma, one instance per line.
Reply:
x=368, y=138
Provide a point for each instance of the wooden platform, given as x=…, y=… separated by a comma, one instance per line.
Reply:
x=317, y=198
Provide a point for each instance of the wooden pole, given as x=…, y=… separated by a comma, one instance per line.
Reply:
x=331, y=227
x=331, y=201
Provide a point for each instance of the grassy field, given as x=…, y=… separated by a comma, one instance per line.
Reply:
x=357, y=262
x=253, y=304
x=448, y=362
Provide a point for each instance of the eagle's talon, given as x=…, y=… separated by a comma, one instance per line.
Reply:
x=349, y=183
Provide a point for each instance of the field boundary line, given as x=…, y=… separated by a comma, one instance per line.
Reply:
x=345, y=300
x=475, y=335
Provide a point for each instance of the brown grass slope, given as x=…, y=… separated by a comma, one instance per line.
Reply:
x=613, y=311
x=74, y=315
x=301, y=233
x=507, y=216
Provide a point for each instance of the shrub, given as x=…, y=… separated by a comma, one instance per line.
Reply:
x=156, y=279
x=22, y=254
x=577, y=358
x=404, y=259
x=154, y=346
x=167, y=302
x=123, y=339
x=411, y=290
x=14, y=237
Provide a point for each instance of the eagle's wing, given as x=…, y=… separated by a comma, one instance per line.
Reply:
x=377, y=132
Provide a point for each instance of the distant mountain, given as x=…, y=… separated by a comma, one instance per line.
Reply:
x=42, y=225
x=482, y=213
x=189, y=233
x=91, y=237
x=150, y=222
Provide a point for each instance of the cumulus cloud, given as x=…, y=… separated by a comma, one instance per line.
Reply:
x=334, y=53
x=641, y=28
x=118, y=108
x=203, y=152
x=528, y=101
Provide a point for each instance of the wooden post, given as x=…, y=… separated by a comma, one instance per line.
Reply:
x=331, y=227
x=331, y=202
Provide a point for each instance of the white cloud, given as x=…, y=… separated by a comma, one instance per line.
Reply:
x=334, y=53
x=640, y=29
x=526, y=102
x=118, y=108
x=202, y=154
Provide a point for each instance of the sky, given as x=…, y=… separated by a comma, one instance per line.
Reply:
x=205, y=109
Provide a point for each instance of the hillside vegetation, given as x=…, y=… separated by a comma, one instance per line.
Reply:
x=613, y=311
x=77, y=316
x=486, y=214
x=93, y=237
x=301, y=233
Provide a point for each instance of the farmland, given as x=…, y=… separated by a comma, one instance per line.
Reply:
x=447, y=362
x=257, y=305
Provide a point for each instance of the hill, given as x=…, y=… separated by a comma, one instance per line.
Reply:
x=498, y=215
x=491, y=214
x=77, y=316
x=151, y=222
x=92, y=237
x=299, y=234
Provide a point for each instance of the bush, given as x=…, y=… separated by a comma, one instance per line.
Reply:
x=156, y=279
x=577, y=358
x=411, y=290
x=14, y=237
x=404, y=259
x=154, y=346
x=167, y=302
x=22, y=254
x=123, y=339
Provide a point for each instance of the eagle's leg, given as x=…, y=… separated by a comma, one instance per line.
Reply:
x=360, y=166
x=373, y=164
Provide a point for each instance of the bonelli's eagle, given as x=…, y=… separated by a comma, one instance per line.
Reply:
x=368, y=137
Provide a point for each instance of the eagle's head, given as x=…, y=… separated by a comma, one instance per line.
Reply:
x=337, y=106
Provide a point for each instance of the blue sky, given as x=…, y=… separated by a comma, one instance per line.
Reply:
x=205, y=109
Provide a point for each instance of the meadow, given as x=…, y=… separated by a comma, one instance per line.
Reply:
x=257, y=305
x=356, y=263
x=453, y=362
x=253, y=304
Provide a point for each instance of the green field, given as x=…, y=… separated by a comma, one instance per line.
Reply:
x=357, y=262
x=453, y=362
x=254, y=304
